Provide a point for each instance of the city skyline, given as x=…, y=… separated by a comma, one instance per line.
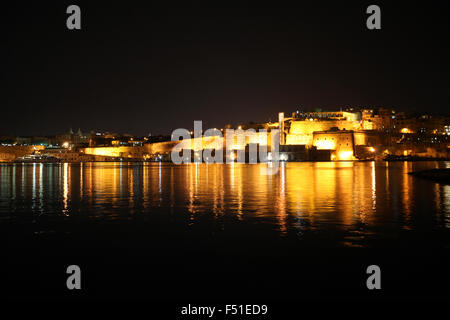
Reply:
x=232, y=122
x=350, y=134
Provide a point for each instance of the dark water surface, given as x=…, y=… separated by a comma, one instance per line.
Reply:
x=215, y=230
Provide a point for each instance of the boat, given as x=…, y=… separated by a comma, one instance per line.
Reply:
x=38, y=158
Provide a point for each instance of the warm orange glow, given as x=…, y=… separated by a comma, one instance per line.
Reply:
x=372, y=149
x=325, y=145
x=346, y=155
x=406, y=130
x=65, y=145
x=302, y=131
x=104, y=151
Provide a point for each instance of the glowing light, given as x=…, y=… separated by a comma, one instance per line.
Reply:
x=66, y=188
x=325, y=145
x=346, y=155
x=406, y=130
x=65, y=145
x=372, y=149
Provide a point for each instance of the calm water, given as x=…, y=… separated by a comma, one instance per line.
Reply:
x=362, y=204
x=161, y=231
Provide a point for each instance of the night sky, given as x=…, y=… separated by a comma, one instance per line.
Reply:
x=150, y=69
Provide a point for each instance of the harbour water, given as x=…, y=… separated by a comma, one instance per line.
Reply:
x=229, y=217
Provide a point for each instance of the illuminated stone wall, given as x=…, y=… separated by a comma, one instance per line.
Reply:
x=301, y=132
x=160, y=147
x=241, y=139
x=352, y=116
x=342, y=142
x=361, y=138
x=11, y=153
x=238, y=143
x=119, y=152
x=367, y=138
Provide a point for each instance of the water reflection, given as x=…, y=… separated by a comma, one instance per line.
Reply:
x=357, y=199
x=406, y=198
x=66, y=189
x=446, y=196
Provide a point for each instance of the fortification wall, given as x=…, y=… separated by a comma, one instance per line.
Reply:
x=301, y=132
x=341, y=142
x=240, y=140
x=216, y=142
x=367, y=138
x=120, y=152
x=11, y=153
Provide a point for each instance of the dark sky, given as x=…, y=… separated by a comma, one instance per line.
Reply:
x=140, y=68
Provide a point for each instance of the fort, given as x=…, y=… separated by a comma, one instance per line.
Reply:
x=350, y=134
x=10, y=153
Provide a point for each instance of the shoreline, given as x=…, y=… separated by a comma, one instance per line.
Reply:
x=164, y=161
